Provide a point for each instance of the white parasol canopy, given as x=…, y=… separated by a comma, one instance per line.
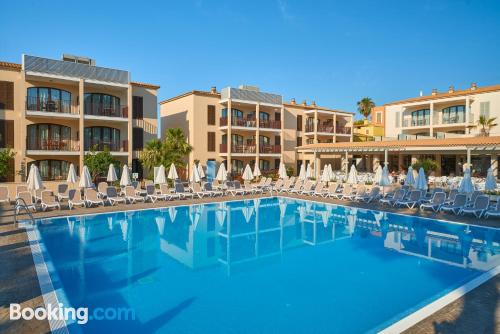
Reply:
x=410, y=180
x=201, y=173
x=195, y=174
x=384, y=180
x=256, y=171
x=491, y=182
x=125, y=179
x=421, y=181
x=111, y=174
x=302, y=173
x=309, y=171
x=247, y=173
x=353, y=175
x=325, y=176
x=160, y=175
x=378, y=175
x=330, y=171
x=282, y=171
x=85, y=179
x=466, y=185
x=172, y=172
x=221, y=173
x=72, y=178
x=34, y=178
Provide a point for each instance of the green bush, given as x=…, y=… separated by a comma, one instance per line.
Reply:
x=428, y=165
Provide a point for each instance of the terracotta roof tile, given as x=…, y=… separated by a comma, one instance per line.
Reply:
x=145, y=85
x=13, y=66
x=193, y=92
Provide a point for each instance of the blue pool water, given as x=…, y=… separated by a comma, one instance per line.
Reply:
x=272, y=265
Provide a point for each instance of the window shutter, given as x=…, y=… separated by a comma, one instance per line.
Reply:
x=6, y=95
x=211, y=141
x=211, y=114
x=9, y=134
x=277, y=116
x=137, y=107
x=299, y=122
x=137, y=139
x=277, y=140
x=299, y=141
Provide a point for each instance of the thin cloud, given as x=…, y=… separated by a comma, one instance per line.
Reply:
x=283, y=7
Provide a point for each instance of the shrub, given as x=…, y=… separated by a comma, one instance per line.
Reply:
x=428, y=165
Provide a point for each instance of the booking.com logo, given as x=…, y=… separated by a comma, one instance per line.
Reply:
x=70, y=314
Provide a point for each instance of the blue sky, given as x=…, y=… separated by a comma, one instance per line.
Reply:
x=333, y=52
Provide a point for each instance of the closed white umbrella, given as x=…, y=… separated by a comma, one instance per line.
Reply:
x=302, y=173
x=282, y=171
x=247, y=213
x=221, y=213
x=160, y=177
x=309, y=171
x=195, y=175
x=353, y=175
x=378, y=175
x=72, y=178
x=124, y=228
x=85, y=179
x=172, y=213
x=410, y=180
x=247, y=173
x=491, y=182
x=160, y=223
x=325, y=177
x=421, y=181
x=384, y=180
x=466, y=185
x=112, y=177
x=256, y=171
x=34, y=178
x=125, y=179
x=221, y=173
x=330, y=171
x=201, y=173
x=172, y=172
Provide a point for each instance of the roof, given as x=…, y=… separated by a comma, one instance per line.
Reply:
x=10, y=66
x=402, y=144
x=193, y=92
x=314, y=107
x=456, y=93
x=145, y=85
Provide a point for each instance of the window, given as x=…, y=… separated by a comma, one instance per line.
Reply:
x=103, y=105
x=420, y=117
x=277, y=116
x=263, y=116
x=48, y=99
x=299, y=122
x=6, y=133
x=49, y=137
x=264, y=164
x=211, y=141
x=51, y=170
x=484, y=109
x=235, y=113
x=299, y=141
x=6, y=95
x=263, y=140
x=137, y=167
x=277, y=140
x=137, y=107
x=137, y=139
x=378, y=117
x=237, y=166
x=455, y=114
x=211, y=114
x=102, y=137
x=309, y=124
x=277, y=163
x=398, y=119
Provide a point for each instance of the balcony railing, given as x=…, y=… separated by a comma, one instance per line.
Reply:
x=268, y=124
x=344, y=130
x=36, y=103
x=41, y=144
x=113, y=146
x=239, y=121
x=100, y=109
x=238, y=148
x=321, y=128
x=420, y=122
x=270, y=149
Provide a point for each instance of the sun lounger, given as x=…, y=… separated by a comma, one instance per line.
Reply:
x=62, y=191
x=398, y=195
x=48, y=200
x=179, y=190
x=102, y=188
x=208, y=188
x=21, y=188
x=480, y=206
x=237, y=190
x=346, y=191
x=360, y=191
x=435, y=203
x=26, y=199
x=112, y=196
x=75, y=198
x=267, y=185
x=308, y=188
x=38, y=194
x=472, y=199
x=166, y=193
x=457, y=205
x=287, y=184
x=131, y=195
x=297, y=188
x=333, y=187
x=261, y=183
x=92, y=197
x=197, y=191
x=4, y=195
x=252, y=190
x=319, y=190
x=367, y=198
x=413, y=199
x=451, y=196
x=493, y=211
x=151, y=193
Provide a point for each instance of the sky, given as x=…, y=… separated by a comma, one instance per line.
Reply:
x=332, y=52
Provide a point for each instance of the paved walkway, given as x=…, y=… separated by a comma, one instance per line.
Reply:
x=476, y=312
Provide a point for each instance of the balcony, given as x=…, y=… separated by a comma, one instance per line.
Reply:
x=343, y=130
x=56, y=146
x=239, y=148
x=268, y=124
x=321, y=128
x=101, y=109
x=240, y=122
x=270, y=149
x=112, y=146
x=36, y=104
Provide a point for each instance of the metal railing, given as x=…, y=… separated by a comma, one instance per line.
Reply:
x=269, y=124
x=343, y=130
x=37, y=103
x=51, y=144
x=100, y=109
x=270, y=149
x=21, y=204
x=112, y=146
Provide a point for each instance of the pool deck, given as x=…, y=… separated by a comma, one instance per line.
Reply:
x=476, y=312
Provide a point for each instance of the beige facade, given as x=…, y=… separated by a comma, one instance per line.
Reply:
x=53, y=111
x=231, y=137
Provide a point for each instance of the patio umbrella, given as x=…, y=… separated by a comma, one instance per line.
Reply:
x=85, y=179
x=302, y=173
x=384, y=180
x=410, y=180
x=256, y=171
x=247, y=173
x=221, y=173
x=282, y=171
x=34, y=178
x=353, y=175
x=125, y=179
x=325, y=176
x=195, y=175
x=309, y=171
x=378, y=175
x=466, y=185
x=172, y=213
x=172, y=172
x=201, y=173
x=72, y=178
x=491, y=182
x=160, y=175
x=421, y=181
x=160, y=223
x=111, y=174
x=330, y=171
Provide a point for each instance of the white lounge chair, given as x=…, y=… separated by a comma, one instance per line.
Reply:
x=494, y=211
x=412, y=201
x=130, y=195
x=367, y=198
x=112, y=196
x=479, y=208
x=435, y=203
x=26, y=199
x=75, y=198
x=48, y=200
x=167, y=194
x=62, y=191
x=360, y=191
x=333, y=187
x=179, y=190
x=398, y=195
x=208, y=188
x=102, y=188
x=237, y=190
x=308, y=188
x=457, y=205
x=297, y=187
x=4, y=195
x=92, y=197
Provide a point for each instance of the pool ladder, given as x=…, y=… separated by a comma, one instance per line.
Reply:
x=21, y=204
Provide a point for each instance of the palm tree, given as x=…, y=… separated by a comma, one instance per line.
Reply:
x=152, y=155
x=365, y=106
x=486, y=124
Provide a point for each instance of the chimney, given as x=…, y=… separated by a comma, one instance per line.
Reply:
x=292, y=101
x=451, y=89
x=434, y=91
x=473, y=86
x=213, y=90
x=313, y=104
x=421, y=93
x=304, y=103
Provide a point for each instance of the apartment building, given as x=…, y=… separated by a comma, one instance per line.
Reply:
x=244, y=125
x=52, y=112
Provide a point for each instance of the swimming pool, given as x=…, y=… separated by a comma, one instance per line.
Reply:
x=270, y=265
